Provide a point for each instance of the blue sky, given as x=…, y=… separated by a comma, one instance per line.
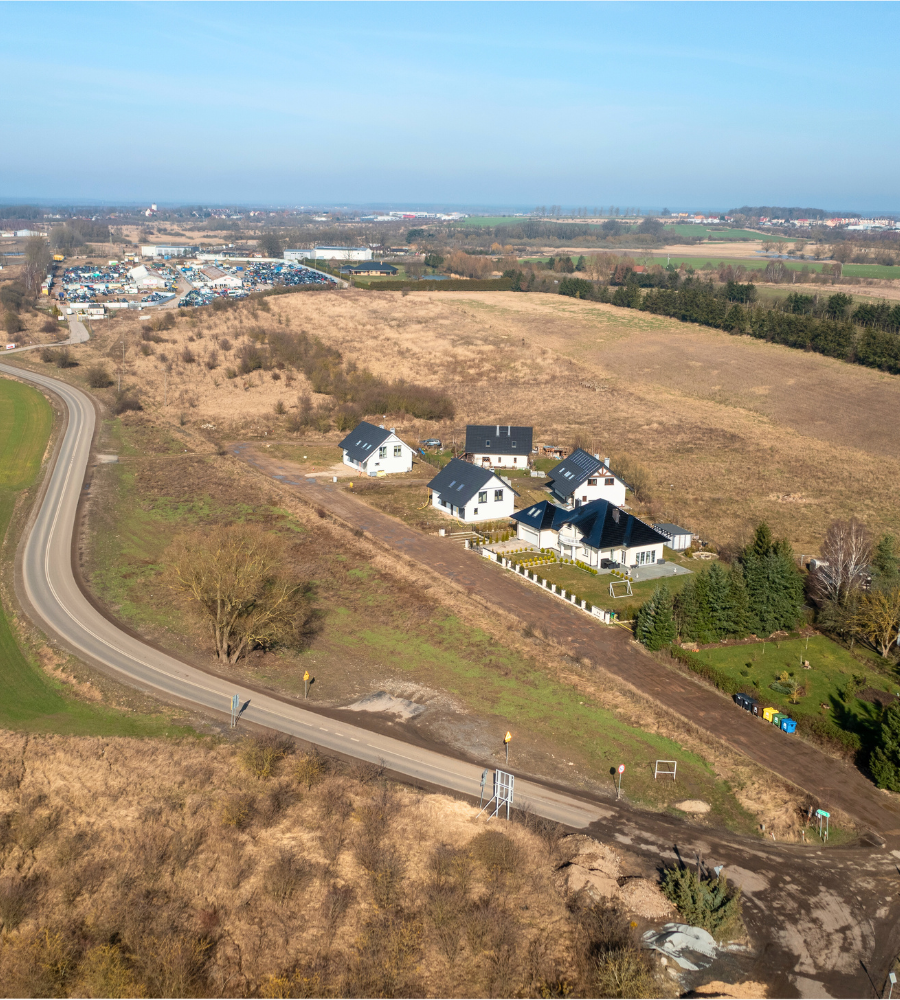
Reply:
x=701, y=105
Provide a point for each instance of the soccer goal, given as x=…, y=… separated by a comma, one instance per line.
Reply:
x=666, y=767
x=620, y=583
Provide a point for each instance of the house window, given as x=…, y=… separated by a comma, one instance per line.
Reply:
x=515, y=459
x=482, y=496
x=398, y=451
x=475, y=511
x=592, y=482
x=487, y=443
x=382, y=451
x=609, y=482
x=512, y=444
x=498, y=495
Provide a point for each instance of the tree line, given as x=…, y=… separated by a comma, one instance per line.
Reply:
x=760, y=593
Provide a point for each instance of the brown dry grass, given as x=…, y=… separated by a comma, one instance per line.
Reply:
x=728, y=426
x=147, y=869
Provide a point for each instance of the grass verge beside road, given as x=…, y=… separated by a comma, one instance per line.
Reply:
x=31, y=699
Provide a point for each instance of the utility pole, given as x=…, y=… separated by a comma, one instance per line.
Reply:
x=121, y=366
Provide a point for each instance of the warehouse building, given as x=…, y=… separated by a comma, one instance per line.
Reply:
x=167, y=250
x=329, y=253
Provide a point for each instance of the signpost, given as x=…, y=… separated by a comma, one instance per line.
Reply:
x=823, y=820
x=892, y=977
x=503, y=793
x=305, y=684
x=657, y=770
x=506, y=740
x=235, y=703
x=619, y=785
x=484, y=775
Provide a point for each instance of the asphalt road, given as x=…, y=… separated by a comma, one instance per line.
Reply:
x=822, y=923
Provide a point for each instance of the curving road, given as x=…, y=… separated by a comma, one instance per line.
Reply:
x=822, y=923
x=60, y=607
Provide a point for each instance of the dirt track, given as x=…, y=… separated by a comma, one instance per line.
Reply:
x=834, y=784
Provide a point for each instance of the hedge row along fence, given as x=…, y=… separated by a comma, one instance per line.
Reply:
x=868, y=338
x=450, y=285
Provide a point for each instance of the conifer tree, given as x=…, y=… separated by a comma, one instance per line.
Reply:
x=738, y=606
x=655, y=620
x=885, y=563
x=885, y=760
x=773, y=583
x=686, y=609
x=717, y=593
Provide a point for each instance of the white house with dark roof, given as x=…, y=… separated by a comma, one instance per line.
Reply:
x=582, y=478
x=499, y=446
x=471, y=492
x=374, y=449
x=592, y=533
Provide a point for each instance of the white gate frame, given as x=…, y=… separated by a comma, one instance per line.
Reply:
x=657, y=770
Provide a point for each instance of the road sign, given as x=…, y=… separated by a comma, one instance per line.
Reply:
x=235, y=705
x=821, y=812
x=306, y=675
x=506, y=740
x=621, y=768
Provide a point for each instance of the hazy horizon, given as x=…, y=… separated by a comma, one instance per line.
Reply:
x=500, y=106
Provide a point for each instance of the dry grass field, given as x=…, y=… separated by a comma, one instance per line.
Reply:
x=731, y=430
x=135, y=869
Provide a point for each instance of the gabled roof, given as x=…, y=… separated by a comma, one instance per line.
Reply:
x=459, y=481
x=370, y=265
x=671, y=529
x=602, y=525
x=498, y=439
x=542, y=516
x=573, y=471
x=363, y=440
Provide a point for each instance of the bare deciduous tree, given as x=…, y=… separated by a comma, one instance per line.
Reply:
x=235, y=580
x=846, y=553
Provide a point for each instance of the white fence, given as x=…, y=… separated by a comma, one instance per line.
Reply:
x=551, y=588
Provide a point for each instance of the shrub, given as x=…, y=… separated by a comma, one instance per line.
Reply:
x=310, y=768
x=230, y=373
x=49, y=326
x=237, y=811
x=64, y=359
x=496, y=851
x=98, y=377
x=12, y=322
x=286, y=874
x=124, y=402
x=708, y=903
x=279, y=408
x=260, y=754
x=187, y=355
x=146, y=350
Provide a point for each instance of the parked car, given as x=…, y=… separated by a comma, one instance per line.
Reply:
x=431, y=442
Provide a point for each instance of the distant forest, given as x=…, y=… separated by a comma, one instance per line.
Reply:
x=780, y=212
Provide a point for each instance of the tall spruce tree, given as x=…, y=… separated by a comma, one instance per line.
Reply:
x=655, y=620
x=885, y=760
x=686, y=609
x=738, y=605
x=885, y=563
x=773, y=583
x=717, y=589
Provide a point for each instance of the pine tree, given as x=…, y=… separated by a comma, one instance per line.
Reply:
x=773, y=583
x=655, y=620
x=717, y=590
x=738, y=613
x=885, y=563
x=885, y=760
x=643, y=621
x=663, y=632
x=686, y=610
x=704, y=630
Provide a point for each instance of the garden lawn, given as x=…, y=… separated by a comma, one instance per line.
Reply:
x=596, y=588
x=32, y=700
x=834, y=680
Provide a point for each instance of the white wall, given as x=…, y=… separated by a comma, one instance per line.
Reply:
x=545, y=539
x=476, y=510
x=341, y=253
x=585, y=493
x=510, y=461
x=391, y=463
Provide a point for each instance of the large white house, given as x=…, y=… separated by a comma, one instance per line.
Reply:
x=595, y=532
x=583, y=477
x=471, y=493
x=374, y=449
x=499, y=446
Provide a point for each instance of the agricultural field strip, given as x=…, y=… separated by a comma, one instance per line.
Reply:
x=54, y=596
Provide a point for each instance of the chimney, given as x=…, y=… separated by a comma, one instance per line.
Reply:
x=381, y=427
x=615, y=514
x=498, y=430
x=393, y=430
x=606, y=462
x=509, y=430
x=597, y=457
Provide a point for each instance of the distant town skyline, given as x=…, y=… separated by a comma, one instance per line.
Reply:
x=502, y=106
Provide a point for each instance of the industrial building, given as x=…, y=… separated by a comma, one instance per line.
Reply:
x=145, y=277
x=167, y=250
x=215, y=277
x=329, y=253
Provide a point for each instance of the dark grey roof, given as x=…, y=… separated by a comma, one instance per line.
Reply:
x=571, y=472
x=542, y=516
x=498, y=439
x=459, y=481
x=363, y=440
x=671, y=529
x=602, y=525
